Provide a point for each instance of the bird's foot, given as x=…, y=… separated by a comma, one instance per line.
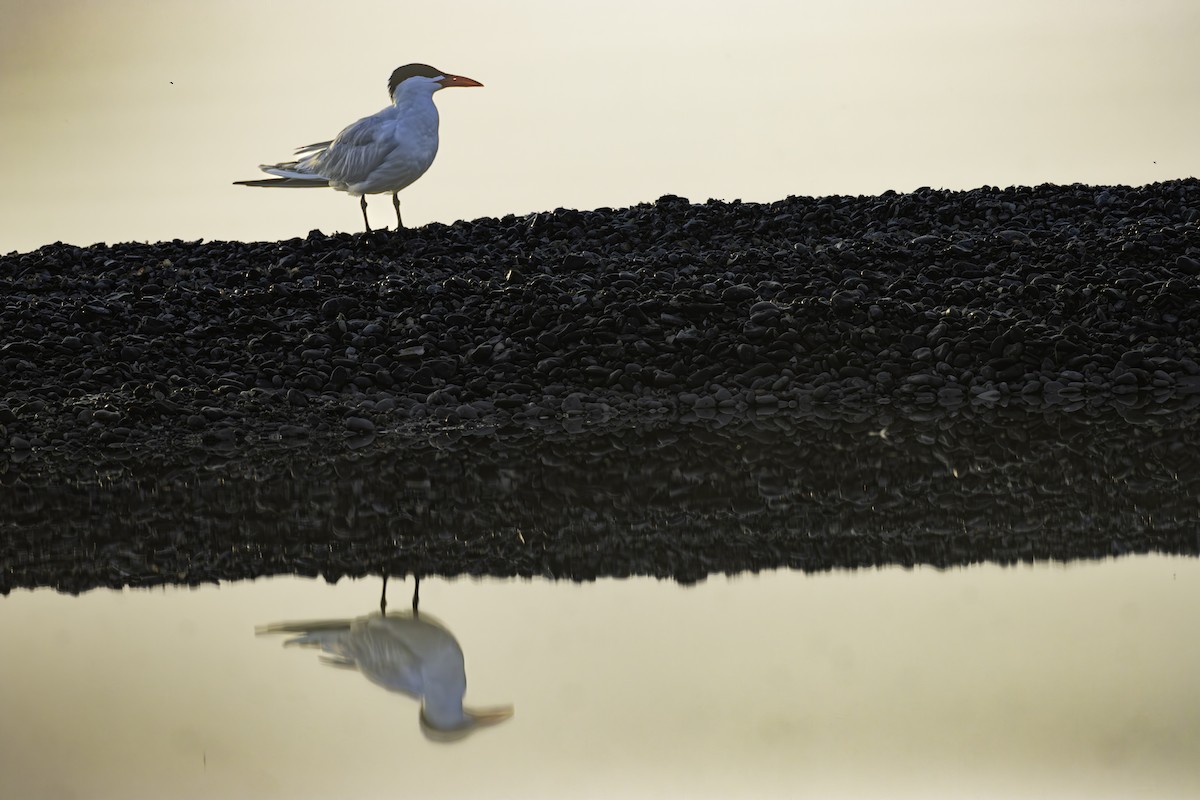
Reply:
x=377, y=236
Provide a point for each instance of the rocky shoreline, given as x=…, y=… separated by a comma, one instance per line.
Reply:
x=124, y=364
x=1054, y=295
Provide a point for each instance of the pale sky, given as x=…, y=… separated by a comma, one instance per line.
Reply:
x=129, y=120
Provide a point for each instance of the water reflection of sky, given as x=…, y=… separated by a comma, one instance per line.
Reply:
x=1049, y=681
x=125, y=120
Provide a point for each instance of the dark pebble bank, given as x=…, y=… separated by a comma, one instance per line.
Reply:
x=1049, y=295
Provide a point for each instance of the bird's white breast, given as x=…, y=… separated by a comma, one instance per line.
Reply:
x=384, y=152
x=411, y=138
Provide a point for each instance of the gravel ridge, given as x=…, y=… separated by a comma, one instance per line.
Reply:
x=1059, y=296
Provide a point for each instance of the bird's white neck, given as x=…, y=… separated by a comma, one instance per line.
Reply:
x=413, y=104
x=415, y=93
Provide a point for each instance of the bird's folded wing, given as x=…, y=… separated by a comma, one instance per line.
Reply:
x=384, y=656
x=312, y=148
x=356, y=152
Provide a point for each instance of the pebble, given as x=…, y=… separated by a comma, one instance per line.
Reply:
x=359, y=425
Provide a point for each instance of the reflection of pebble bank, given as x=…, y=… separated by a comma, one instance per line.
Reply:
x=1050, y=295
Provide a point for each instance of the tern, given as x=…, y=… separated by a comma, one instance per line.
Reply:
x=382, y=153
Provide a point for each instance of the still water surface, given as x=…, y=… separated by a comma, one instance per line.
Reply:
x=1076, y=680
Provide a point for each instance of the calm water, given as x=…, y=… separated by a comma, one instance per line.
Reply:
x=1077, y=678
x=1066, y=681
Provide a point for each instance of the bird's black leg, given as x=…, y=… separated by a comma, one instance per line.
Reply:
x=416, y=593
x=383, y=597
x=396, y=203
x=363, y=202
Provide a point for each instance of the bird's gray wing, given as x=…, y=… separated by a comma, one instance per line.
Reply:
x=356, y=152
x=386, y=659
x=312, y=148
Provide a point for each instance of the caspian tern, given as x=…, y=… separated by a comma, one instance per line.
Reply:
x=382, y=153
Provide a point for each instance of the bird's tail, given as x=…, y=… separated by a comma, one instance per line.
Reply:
x=289, y=176
x=305, y=627
x=287, y=183
x=328, y=635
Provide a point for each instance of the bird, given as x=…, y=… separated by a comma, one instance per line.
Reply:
x=408, y=653
x=382, y=153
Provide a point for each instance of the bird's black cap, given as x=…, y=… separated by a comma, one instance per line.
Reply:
x=401, y=74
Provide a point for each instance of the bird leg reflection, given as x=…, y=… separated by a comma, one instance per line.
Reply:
x=416, y=601
x=396, y=203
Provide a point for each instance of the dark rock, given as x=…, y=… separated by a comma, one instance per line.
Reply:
x=359, y=425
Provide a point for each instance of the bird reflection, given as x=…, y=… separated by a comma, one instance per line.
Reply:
x=409, y=653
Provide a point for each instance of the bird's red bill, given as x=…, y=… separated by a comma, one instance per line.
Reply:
x=458, y=80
